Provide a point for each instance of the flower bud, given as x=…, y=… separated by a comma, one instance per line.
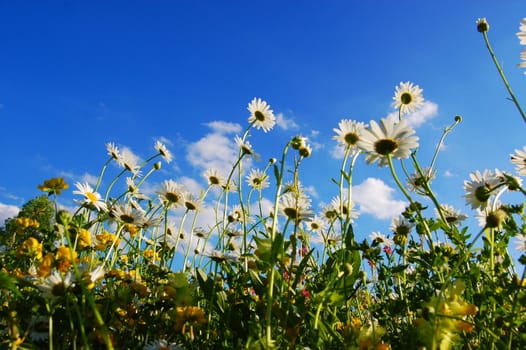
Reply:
x=482, y=25
x=63, y=217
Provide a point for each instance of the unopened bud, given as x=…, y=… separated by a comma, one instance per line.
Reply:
x=482, y=25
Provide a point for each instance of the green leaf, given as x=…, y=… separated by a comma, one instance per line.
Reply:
x=9, y=282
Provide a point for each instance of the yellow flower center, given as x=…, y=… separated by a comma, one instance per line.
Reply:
x=91, y=196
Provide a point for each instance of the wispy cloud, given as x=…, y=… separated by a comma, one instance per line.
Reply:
x=428, y=111
x=217, y=149
x=222, y=127
x=7, y=211
x=285, y=123
x=448, y=173
x=375, y=197
x=337, y=152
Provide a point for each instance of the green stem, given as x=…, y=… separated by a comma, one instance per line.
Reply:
x=270, y=291
x=503, y=76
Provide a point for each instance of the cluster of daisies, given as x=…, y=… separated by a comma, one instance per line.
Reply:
x=392, y=137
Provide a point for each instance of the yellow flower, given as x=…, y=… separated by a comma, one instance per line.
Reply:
x=150, y=254
x=46, y=265
x=105, y=239
x=65, y=253
x=83, y=238
x=54, y=186
x=30, y=247
x=191, y=315
x=27, y=222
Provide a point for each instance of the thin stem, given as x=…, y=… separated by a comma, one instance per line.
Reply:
x=503, y=76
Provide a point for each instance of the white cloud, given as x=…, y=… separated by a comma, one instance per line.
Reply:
x=338, y=152
x=164, y=140
x=375, y=197
x=448, y=173
x=285, y=123
x=222, y=127
x=428, y=111
x=216, y=150
x=191, y=185
x=311, y=191
x=89, y=178
x=7, y=211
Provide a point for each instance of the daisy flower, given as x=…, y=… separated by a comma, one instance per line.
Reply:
x=520, y=242
x=219, y=256
x=163, y=151
x=408, y=97
x=479, y=189
x=130, y=161
x=295, y=206
x=519, y=159
x=329, y=239
x=113, y=151
x=191, y=202
x=349, y=132
x=200, y=232
x=390, y=137
x=381, y=239
x=214, y=178
x=257, y=179
x=493, y=218
x=237, y=214
x=522, y=33
x=56, y=285
x=401, y=226
x=91, y=198
x=261, y=115
x=315, y=224
x=416, y=181
x=341, y=206
x=329, y=213
x=172, y=193
x=127, y=214
x=245, y=147
x=452, y=215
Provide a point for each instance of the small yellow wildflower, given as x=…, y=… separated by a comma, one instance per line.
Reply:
x=30, y=247
x=46, y=265
x=150, y=254
x=189, y=315
x=65, y=253
x=27, y=222
x=105, y=240
x=83, y=238
x=54, y=186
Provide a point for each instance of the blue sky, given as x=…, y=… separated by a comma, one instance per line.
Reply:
x=78, y=74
